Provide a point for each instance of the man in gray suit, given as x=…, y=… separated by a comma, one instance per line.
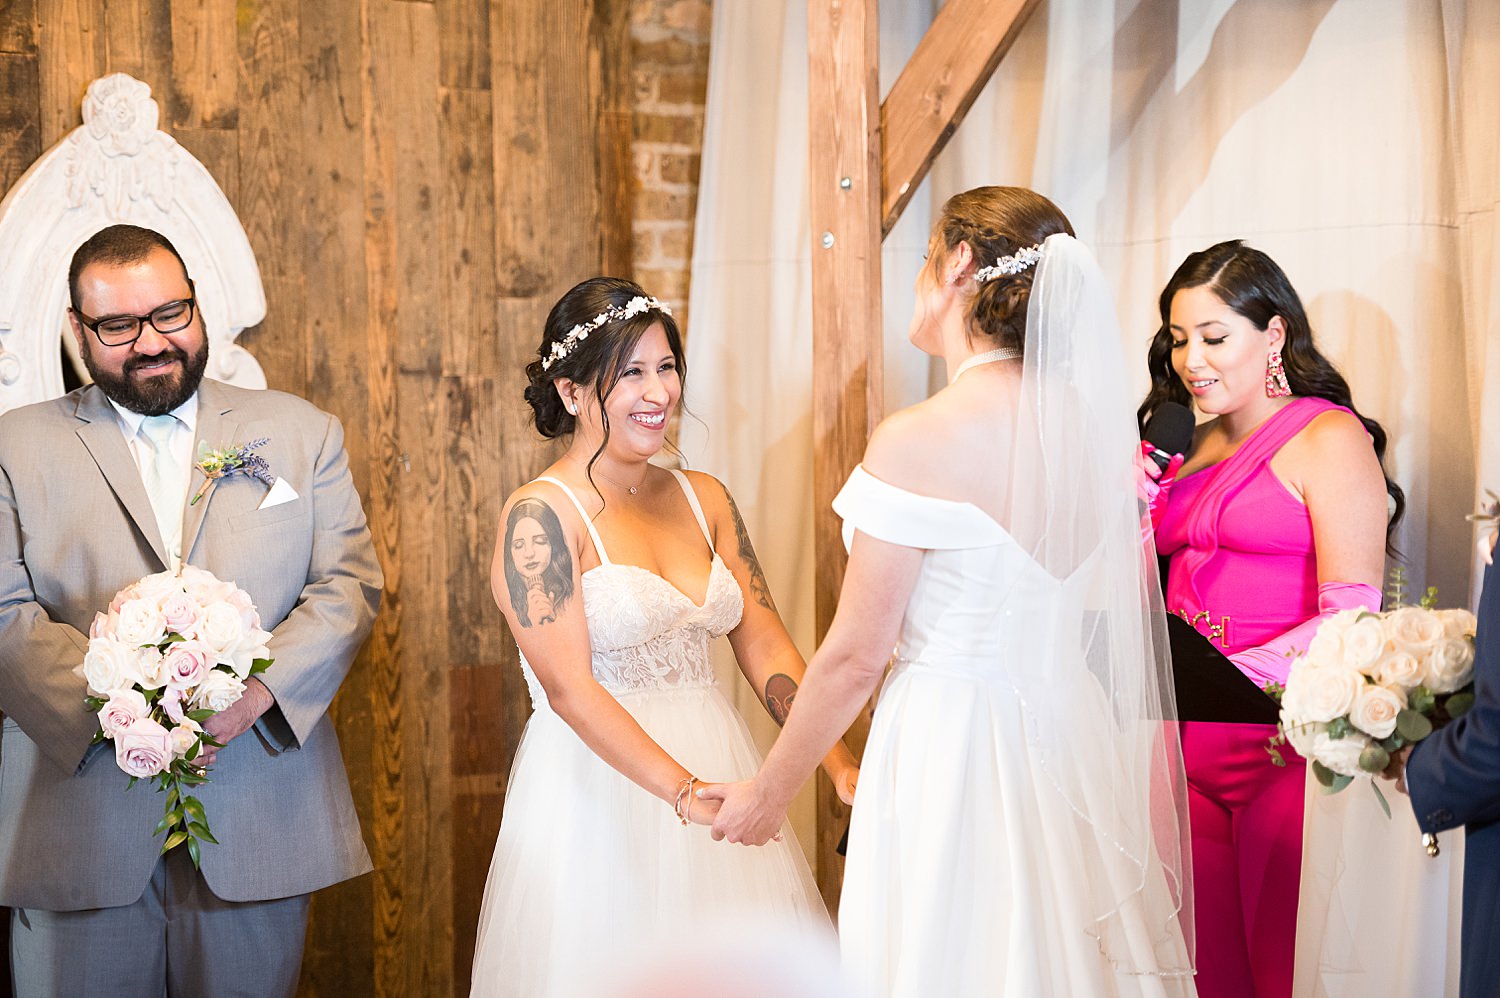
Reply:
x=94, y=493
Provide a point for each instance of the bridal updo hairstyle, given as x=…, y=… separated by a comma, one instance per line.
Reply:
x=998, y=222
x=596, y=362
x=1252, y=285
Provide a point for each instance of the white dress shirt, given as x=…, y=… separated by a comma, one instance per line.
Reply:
x=181, y=445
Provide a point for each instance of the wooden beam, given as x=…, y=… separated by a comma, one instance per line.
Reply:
x=844, y=174
x=952, y=63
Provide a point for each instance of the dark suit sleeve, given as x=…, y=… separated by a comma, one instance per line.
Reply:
x=39, y=689
x=1454, y=774
x=316, y=643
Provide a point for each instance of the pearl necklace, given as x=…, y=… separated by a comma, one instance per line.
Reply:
x=988, y=357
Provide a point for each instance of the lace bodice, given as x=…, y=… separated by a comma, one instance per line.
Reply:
x=644, y=633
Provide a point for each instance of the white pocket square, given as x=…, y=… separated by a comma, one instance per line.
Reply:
x=281, y=491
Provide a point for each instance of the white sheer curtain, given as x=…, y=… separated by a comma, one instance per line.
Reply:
x=1354, y=140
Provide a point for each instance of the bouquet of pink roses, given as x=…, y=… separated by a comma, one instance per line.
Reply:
x=171, y=651
x=1373, y=683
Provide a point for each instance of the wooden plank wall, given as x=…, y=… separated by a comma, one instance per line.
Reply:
x=420, y=181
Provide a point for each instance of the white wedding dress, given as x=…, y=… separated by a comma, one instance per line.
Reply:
x=1020, y=824
x=590, y=870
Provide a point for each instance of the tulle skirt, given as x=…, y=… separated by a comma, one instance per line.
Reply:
x=970, y=874
x=590, y=869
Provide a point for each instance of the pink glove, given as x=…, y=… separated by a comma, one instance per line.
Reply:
x=1152, y=483
x=1270, y=662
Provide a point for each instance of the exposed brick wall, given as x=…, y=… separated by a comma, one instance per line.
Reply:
x=670, y=39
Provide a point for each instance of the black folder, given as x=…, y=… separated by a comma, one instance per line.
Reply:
x=1208, y=686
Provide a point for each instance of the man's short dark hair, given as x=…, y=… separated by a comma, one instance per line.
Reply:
x=117, y=246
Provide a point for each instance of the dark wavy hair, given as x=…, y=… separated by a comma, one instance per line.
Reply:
x=555, y=582
x=1252, y=285
x=597, y=361
x=997, y=222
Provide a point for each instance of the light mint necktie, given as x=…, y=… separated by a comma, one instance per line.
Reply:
x=164, y=483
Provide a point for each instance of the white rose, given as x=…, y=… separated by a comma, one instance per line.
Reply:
x=219, y=690
x=1326, y=692
x=1375, y=710
x=108, y=666
x=141, y=623
x=143, y=748
x=1413, y=629
x=1363, y=642
x=1300, y=734
x=223, y=627
x=124, y=708
x=240, y=600
x=1450, y=666
x=186, y=663
x=151, y=668
x=156, y=588
x=1399, y=669
x=1339, y=754
x=204, y=586
x=1458, y=623
x=1327, y=645
x=247, y=651
x=183, y=737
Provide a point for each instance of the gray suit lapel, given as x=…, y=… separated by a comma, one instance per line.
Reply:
x=106, y=443
x=217, y=428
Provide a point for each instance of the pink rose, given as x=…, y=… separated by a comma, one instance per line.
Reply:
x=186, y=663
x=183, y=614
x=183, y=737
x=124, y=708
x=143, y=748
x=171, y=702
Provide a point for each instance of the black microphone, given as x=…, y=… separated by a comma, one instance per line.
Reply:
x=1170, y=431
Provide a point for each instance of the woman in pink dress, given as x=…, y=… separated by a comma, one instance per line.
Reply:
x=1277, y=518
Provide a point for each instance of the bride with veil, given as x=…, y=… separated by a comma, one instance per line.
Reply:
x=1020, y=822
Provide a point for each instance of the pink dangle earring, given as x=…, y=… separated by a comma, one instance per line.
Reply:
x=1276, y=383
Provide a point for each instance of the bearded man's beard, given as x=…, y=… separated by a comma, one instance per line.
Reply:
x=153, y=396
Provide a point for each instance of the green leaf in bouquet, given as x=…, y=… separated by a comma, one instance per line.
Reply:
x=195, y=852
x=98, y=737
x=173, y=795
x=1340, y=727
x=162, y=825
x=258, y=666
x=192, y=752
x=1422, y=700
x=1374, y=759
x=194, y=807
x=201, y=714
x=1429, y=598
x=131, y=783
x=94, y=703
x=209, y=739
x=173, y=637
x=1324, y=775
x=174, y=840
x=1385, y=805
x=201, y=831
x=1458, y=704
x=1395, y=588
x=1339, y=782
x=1275, y=691
x=1394, y=743
x=1412, y=725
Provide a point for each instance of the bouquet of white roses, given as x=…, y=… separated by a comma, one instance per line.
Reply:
x=1373, y=683
x=171, y=651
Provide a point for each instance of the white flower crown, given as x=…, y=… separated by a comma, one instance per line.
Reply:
x=1008, y=265
x=615, y=313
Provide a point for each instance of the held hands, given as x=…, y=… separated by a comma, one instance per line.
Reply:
x=1397, y=769
x=742, y=814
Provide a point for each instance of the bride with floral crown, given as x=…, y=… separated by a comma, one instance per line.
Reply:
x=615, y=576
x=1020, y=822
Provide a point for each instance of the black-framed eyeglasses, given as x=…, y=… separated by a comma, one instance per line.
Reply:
x=122, y=330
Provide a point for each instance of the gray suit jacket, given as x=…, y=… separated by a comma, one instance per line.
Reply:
x=76, y=526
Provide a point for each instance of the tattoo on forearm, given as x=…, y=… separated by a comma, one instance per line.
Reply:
x=781, y=690
x=758, y=587
x=538, y=566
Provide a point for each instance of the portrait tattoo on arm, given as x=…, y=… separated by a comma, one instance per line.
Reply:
x=781, y=690
x=538, y=566
x=758, y=587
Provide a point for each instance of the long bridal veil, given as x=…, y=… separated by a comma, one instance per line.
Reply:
x=1102, y=663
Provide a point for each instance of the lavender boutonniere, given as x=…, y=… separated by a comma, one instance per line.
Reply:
x=225, y=461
